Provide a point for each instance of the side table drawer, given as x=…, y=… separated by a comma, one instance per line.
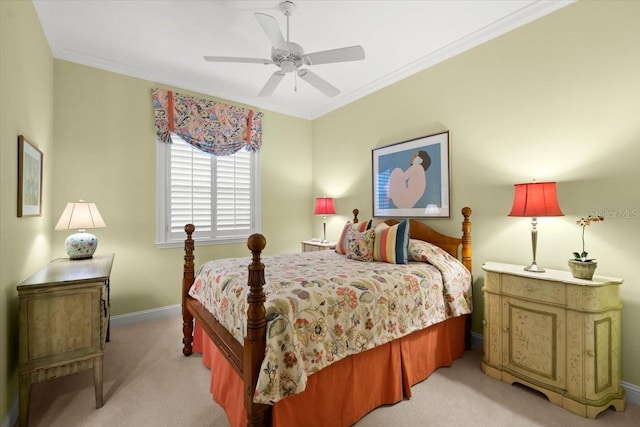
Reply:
x=533, y=289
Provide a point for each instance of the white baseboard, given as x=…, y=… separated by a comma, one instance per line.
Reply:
x=632, y=392
x=144, y=315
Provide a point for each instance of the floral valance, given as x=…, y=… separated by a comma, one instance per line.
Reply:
x=213, y=127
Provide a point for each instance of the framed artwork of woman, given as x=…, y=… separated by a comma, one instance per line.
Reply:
x=411, y=178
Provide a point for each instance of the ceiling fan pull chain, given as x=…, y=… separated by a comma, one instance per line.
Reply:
x=295, y=82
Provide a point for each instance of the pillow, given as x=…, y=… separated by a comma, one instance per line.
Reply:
x=359, y=245
x=360, y=227
x=391, y=243
x=422, y=251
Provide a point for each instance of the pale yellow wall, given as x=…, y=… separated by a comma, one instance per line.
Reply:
x=558, y=99
x=26, y=108
x=106, y=153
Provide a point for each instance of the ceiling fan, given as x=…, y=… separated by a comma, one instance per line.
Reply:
x=290, y=57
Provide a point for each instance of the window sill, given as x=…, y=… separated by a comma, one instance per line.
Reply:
x=202, y=242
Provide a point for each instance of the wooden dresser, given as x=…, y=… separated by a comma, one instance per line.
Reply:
x=63, y=323
x=556, y=334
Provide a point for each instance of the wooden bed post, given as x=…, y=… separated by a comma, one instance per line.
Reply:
x=466, y=261
x=188, y=275
x=466, y=238
x=255, y=341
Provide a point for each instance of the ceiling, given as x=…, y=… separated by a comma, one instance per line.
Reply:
x=165, y=41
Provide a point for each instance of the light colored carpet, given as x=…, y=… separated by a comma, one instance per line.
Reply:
x=148, y=382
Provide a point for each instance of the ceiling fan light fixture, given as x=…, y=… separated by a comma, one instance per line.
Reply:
x=287, y=66
x=289, y=56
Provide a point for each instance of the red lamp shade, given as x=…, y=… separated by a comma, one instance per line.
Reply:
x=535, y=199
x=324, y=206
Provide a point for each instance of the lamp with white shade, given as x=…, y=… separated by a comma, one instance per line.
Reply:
x=80, y=215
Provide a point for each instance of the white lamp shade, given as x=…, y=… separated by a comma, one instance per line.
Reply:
x=79, y=216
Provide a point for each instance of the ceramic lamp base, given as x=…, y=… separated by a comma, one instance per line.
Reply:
x=81, y=245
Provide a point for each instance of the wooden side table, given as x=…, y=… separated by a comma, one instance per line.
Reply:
x=556, y=334
x=313, y=245
x=63, y=323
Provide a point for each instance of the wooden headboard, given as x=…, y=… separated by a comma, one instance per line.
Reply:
x=421, y=231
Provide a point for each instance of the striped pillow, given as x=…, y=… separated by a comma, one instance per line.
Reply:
x=360, y=227
x=391, y=243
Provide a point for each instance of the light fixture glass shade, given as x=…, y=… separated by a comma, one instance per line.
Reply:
x=324, y=207
x=80, y=215
x=535, y=199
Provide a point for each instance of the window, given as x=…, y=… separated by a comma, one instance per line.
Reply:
x=219, y=195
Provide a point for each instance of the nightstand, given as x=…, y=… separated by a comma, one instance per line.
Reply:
x=63, y=323
x=556, y=334
x=312, y=245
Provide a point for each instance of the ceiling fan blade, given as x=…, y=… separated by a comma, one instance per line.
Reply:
x=272, y=83
x=237, y=59
x=271, y=29
x=351, y=53
x=319, y=83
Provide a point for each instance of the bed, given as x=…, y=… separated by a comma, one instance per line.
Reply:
x=378, y=374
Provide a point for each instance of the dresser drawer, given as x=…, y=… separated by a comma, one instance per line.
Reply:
x=533, y=289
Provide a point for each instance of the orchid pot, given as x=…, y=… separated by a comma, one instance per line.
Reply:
x=582, y=269
x=581, y=266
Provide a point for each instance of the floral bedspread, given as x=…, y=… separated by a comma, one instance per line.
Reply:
x=322, y=307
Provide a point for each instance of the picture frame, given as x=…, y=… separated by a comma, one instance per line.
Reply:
x=403, y=187
x=29, y=179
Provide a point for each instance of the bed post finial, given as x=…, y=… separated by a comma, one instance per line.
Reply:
x=355, y=216
x=466, y=238
x=188, y=276
x=255, y=341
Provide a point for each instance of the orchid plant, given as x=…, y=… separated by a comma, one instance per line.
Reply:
x=584, y=223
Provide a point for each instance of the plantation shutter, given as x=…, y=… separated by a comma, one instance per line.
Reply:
x=191, y=188
x=233, y=193
x=215, y=193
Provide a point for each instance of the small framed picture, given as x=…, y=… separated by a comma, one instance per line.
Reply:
x=29, y=179
x=411, y=178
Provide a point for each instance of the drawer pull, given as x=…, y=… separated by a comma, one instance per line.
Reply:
x=591, y=353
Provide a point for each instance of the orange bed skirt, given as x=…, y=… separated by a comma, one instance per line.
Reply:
x=345, y=391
